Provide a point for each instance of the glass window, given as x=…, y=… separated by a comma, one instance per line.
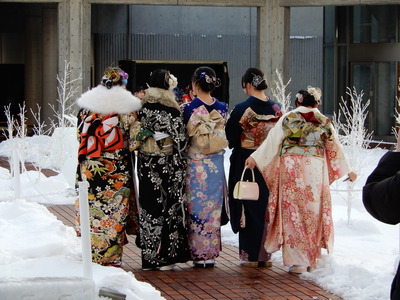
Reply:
x=385, y=97
x=374, y=24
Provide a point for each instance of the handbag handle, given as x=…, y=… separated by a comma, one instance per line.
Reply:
x=244, y=170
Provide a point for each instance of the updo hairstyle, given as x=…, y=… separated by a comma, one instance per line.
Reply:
x=206, y=78
x=162, y=79
x=114, y=76
x=304, y=98
x=256, y=78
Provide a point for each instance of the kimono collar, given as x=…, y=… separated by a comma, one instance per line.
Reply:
x=164, y=97
x=309, y=114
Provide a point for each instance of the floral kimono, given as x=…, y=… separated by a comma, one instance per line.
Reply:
x=105, y=162
x=162, y=165
x=299, y=160
x=206, y=186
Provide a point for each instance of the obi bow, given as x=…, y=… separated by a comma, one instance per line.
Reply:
x=203, y=122
x=99, y=135
x=250, y=119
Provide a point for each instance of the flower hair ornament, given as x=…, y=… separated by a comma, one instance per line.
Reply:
x=171, y=80
x=299, y=97
x=112, y=75
x=315, y=92
x=257, y=80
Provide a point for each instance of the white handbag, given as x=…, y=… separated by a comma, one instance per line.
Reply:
x=246, y=190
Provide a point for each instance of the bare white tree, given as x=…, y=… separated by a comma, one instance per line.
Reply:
x=66, y=90
x=57, y=150
x=279, y=92
x=18, y=147
x=9, y=134
x=350, y=124
x=65, y=118
x=39, y=127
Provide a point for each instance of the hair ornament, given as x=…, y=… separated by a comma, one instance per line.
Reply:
x=257, y=80
x=315, y=92
x=172, y=81
x=210, y=79
x=112, y=75
x=299, y=97
x=124, y=76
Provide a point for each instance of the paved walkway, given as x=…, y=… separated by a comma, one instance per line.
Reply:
x=227, y=280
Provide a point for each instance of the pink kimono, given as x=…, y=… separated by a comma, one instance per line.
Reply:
x=299, y=161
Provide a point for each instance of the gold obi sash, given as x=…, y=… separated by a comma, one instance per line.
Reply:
x=161, y=147
x=206, y=131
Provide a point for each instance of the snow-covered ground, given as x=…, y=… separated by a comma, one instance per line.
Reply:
x=34, y=244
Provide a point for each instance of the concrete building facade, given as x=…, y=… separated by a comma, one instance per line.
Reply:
x=43, y=36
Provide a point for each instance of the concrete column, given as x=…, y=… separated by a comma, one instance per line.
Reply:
x=74, y=40
x=274, y=40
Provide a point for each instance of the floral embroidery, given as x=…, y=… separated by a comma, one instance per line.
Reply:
x=110, y=195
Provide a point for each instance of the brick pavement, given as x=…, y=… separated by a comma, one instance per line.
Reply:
x=228, y=280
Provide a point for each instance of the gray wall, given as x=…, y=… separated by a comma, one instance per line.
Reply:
x=144, y=32
x=178, y=33
x=306, y=45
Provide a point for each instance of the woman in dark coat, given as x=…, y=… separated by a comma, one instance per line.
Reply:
x=246, y=129
x=381, y=197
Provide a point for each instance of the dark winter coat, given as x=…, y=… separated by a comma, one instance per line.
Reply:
x=381, y=197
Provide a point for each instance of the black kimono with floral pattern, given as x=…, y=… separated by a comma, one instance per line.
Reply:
x=162, y=197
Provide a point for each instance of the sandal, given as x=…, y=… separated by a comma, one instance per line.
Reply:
x=209, y=263
x=250, y=264
x=265, y=264
x=298, y=269
x=167, y=267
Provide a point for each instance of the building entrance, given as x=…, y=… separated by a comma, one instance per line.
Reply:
x=378, y=82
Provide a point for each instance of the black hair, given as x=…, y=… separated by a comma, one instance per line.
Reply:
x=139, y=88
x=159, y=79
x=308, y=99
x=206, y=78
x=256, y=78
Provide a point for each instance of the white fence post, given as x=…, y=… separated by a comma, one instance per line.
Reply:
x=85, y=229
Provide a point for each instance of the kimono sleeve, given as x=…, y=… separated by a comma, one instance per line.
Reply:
x=335, y=157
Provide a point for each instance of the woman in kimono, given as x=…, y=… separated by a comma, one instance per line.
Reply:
x=205, y=119
x=299, y=160
x=107, y=113
x=247, y=127
x=162, y=163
